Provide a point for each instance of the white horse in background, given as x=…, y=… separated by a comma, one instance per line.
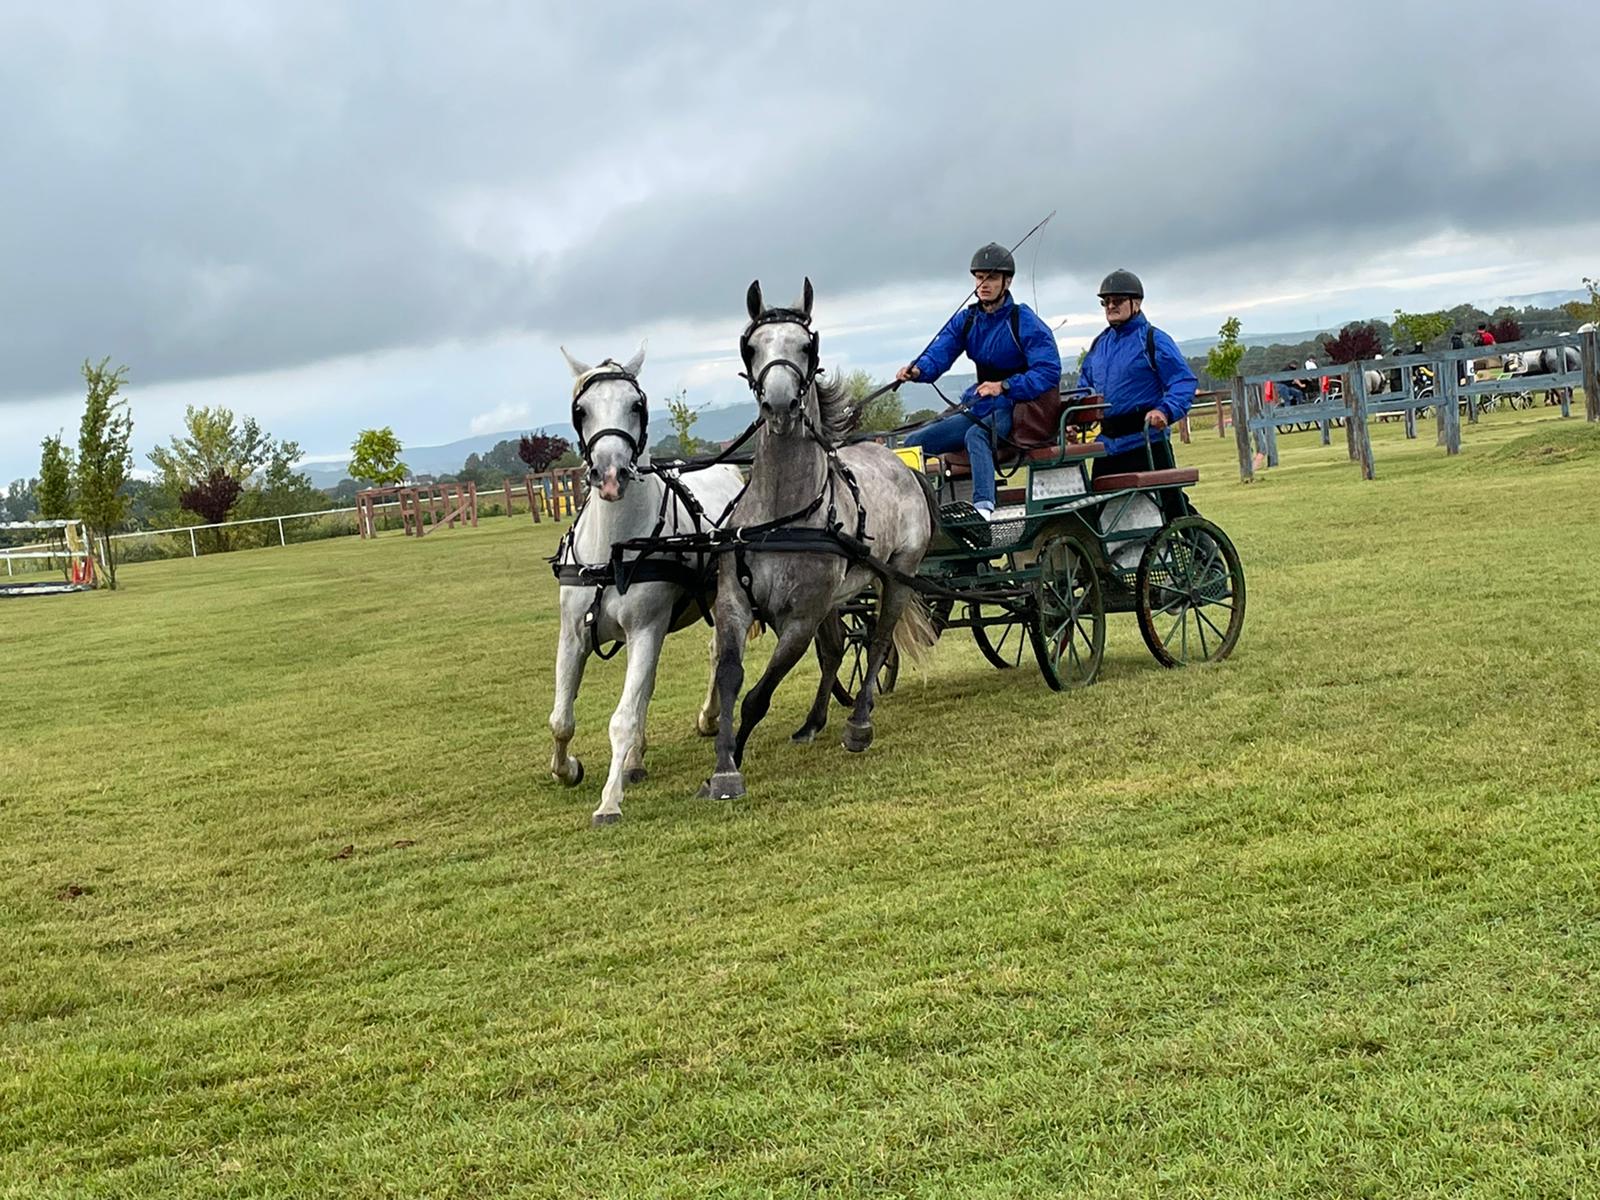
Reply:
x=628, y=498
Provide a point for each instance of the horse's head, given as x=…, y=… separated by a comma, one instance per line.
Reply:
x=611, y=418
x=781, y=361
x=1512, y=364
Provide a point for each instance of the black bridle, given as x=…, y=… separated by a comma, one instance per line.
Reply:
x=606, y=371
x=804, y=376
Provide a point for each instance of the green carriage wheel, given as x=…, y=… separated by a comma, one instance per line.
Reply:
x=1005, y=646
x=1069, y=629
x=858, y=629
x=1189, y=593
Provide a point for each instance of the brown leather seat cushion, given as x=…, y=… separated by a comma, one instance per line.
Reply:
x=958, y=466
x=1147, y=479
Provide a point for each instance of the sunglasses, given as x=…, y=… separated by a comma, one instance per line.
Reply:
x=1113, y=301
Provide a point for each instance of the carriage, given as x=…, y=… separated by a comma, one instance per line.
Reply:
x=831, y=547
x=1064, y=550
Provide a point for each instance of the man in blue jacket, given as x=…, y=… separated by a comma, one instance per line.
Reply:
x=1145, y=380
x=1017, y=361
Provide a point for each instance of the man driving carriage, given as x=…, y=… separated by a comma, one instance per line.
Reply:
x=1146, y=382
x=1017, y=361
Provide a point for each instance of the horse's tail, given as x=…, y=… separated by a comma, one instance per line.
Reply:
x=914, y=634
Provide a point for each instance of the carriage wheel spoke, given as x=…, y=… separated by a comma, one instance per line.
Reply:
x=1168, y=639
x=1221, y=636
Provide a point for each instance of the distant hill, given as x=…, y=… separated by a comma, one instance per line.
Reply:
x=1197, y=347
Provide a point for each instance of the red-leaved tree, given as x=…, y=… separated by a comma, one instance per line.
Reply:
x=1507, y=329
x=540, y=450
x=213, y=497
x=1354, y=342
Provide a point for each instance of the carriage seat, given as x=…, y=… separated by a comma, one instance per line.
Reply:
x=957, y=465
x=1035, y=423
x=1124, y=480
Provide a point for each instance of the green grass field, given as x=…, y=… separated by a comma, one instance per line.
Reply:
x=288, y=905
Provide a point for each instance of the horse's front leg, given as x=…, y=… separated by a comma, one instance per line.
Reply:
x=734, y=617
x=791, y=648
x=572, y=653
x=628, y=721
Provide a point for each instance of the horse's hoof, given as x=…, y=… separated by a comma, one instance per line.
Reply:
x=803, y=736
x=724, y=785
x=572, y=776
x=604, y=818
x=637, y=775
x=856, y=737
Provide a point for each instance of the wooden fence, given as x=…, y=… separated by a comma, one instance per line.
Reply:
x=1353, y=405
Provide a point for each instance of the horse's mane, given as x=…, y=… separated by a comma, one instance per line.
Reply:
x=836, y=416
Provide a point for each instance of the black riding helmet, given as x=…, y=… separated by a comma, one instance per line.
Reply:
x=1121, y=283
x=994, y=257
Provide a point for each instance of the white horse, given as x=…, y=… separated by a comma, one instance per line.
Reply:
x=628, y=498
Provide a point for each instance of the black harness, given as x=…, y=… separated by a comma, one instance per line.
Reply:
x=608, y=371
x=805, y=377
x=785, y=533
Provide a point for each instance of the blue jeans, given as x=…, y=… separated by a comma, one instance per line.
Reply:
x=960, y=432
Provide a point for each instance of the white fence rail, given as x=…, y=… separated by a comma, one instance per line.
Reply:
x=190, y=531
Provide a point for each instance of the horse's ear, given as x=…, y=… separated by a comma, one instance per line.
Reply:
x=633, y=364
x=805, y=301
x=578, y=368
x=752, y=299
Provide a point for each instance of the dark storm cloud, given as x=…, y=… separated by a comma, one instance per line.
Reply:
x=211, y=190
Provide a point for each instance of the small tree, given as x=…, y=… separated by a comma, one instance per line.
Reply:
x=1355, y=342
x=1222, y=360
x=1410, y=328
x=55, y=479
x=542, y=450
x=1585, y=311
x=104, y=458
x=683, y=418
x=375, y=457
x=883, y=412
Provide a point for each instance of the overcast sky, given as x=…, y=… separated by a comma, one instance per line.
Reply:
x=333, y=216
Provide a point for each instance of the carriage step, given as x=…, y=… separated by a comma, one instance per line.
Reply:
x=965, y=524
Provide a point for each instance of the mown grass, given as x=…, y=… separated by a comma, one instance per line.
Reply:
x=288, y=906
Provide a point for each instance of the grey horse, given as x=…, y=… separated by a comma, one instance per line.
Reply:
x=802, y=479
x=1552, y=360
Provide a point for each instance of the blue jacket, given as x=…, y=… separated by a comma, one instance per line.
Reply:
x=1118, y=367
x=1029, y=370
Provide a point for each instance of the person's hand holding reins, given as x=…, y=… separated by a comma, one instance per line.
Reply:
x=908, y=372
x=1156, y=419
x=990, y=389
